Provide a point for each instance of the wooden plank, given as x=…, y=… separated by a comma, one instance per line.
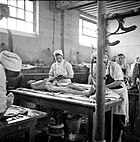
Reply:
x=115, y=9
x=62, y=31
x=112, y=7
x=63, y=5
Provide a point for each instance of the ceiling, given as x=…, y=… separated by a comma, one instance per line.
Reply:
x=90, y=7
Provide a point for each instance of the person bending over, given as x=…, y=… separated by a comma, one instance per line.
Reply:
x=10, y=66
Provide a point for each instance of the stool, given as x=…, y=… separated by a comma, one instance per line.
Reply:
x=55, y=133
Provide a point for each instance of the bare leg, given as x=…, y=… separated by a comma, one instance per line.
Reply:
x=40, y=85
x=90, y=92
x=75, y=87
x=52, y=88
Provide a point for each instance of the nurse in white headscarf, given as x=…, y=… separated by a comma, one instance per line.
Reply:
x=10, y=66
x=60, y=71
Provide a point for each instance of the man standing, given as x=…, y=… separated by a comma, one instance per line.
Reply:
x=114, y=80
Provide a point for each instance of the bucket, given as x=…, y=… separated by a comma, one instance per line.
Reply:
x=77, y=138
x=73, y=123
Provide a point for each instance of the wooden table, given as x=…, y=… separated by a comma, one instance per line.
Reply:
x=20, y=121
x=75, y=106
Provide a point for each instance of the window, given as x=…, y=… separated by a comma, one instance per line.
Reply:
x=87, y=32
x=21, y=16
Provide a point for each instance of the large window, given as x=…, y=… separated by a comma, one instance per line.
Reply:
x=21, y=16
x=87, y=32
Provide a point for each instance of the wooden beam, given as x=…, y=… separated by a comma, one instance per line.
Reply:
x=63, y=5
x=100, y=94
x=62, y=30
x=87, y=15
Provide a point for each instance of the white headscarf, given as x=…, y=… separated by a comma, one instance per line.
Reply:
x=10, y=61
x=58, y=52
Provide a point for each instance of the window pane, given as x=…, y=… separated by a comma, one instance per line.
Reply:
x=11, y=23
x=3, y=1
x=12, y=2
x=3, y=23
x=21, y=4
x=29, y=5
x=88, y=41
x=89, y=32
x=21, y=13
x=12, y=11
x=89, y=25
x=29, y=16
x=29, y=27
x=20, y=25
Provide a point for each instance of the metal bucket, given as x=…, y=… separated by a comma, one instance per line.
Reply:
x=73, y=123
x=77, y=138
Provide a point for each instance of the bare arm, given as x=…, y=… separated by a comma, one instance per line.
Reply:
x=114, y=84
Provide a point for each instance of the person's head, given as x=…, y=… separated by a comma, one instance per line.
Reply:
x=94, y=57
x=137, y=60
x=121, y=59
x=4, y=11
x=105, y=59
x=114, y=59
x=3, y=47
x=11, y=63
x=58, y=55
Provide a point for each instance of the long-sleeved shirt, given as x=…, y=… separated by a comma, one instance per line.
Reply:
x=3, y=98
x=64, y=68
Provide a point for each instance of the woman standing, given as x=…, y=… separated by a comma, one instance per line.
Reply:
x=125, y=67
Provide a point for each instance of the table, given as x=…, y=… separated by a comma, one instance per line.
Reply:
x=21, y=118
x=75, y=106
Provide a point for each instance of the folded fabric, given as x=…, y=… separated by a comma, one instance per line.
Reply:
x=10, y=61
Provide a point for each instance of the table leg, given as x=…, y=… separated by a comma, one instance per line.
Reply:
x=132, y=111
x=111, y=126
x=30, y=133
x=91, y=126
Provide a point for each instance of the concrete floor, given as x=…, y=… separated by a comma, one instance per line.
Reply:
x=128, y=136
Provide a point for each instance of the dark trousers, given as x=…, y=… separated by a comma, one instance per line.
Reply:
x=118, y=126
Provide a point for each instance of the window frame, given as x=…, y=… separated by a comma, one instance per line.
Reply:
x=90, y=21
x=87, y=19
x=34, y=22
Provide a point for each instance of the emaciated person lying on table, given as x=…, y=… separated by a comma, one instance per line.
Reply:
x=62, y=87
x=72, y=88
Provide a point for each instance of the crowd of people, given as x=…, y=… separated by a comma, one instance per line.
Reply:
x=130, y=71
